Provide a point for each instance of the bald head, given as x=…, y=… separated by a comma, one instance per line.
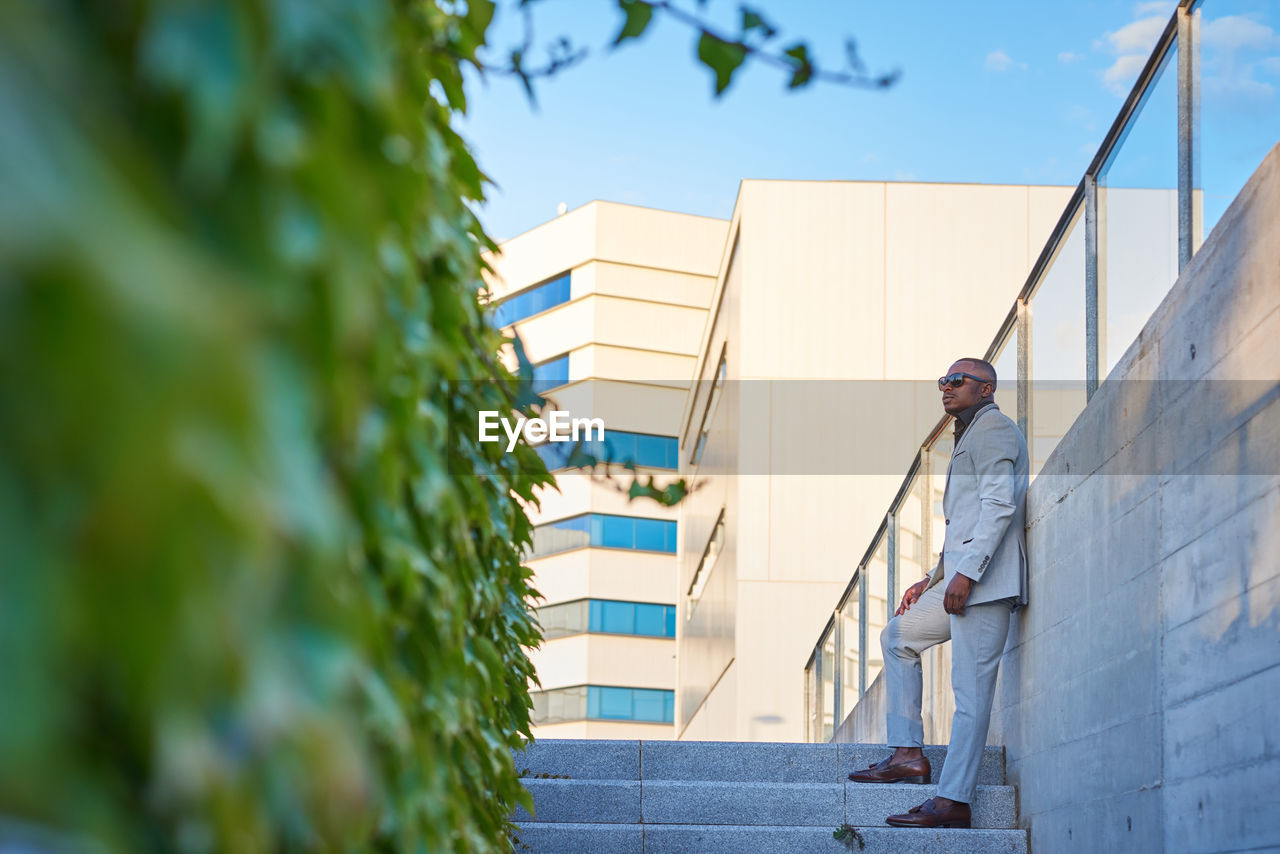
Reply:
x=970, y=392
x=977, y=367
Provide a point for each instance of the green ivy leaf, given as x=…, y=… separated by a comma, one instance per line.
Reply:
x=804, y=67
x=480, y=15
x=638, y=14
x=752, y=20
x=722, y=57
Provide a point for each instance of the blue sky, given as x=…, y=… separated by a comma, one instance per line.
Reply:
x=1017, y=91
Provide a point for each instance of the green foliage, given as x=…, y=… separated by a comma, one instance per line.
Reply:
x=752, y=20
x=261, y=586
x=725, y=53
x=848, y=834
x=255, y=596
x=637, y=20
x=803, y=67
x=722, y=57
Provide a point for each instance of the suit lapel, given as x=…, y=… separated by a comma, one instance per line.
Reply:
x=967, y=432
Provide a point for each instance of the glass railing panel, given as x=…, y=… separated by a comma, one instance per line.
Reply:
x=828, y=672
x=561, y=535
x=559, y=705
x=567, y=618
x=878, y=610
x=850, y=654
x=812, y=701
x=1058, y=346
x=911, y=533
x=1239, y=99
x=1138, y=218
x=1006, y=365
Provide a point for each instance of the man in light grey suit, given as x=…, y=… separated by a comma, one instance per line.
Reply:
x=984, y=565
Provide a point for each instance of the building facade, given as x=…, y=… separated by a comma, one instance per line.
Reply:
x=609, y=302
x=836, y=307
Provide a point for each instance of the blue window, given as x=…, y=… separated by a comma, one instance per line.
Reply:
x=630, y=704
x=529, y=302
x=651, y=535
x=632, y=618
x=660, y=452
x=628, y=532
x=656, y=620
x=600, y=529
x=600, y=702
x=619, y=446
x=551, y=373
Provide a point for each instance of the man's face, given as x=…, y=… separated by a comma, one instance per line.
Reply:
x=956, y=399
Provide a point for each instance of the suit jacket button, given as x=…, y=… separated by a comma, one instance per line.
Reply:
x=948, y=521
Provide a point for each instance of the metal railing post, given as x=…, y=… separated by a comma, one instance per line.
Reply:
x=1024, y=369
x=862, y=632
x=819, y=706
x=837, y=678
x=891, y=538
x=1190, y=225
x=1092, y=344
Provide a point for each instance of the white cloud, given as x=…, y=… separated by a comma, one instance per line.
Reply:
x=1120, y=76
x=1234, y=32
x=1232, y=45
x=1155, y=7
x=1229, y=61
x=1242, y=86
x=998, y=60
x=1069, y=56
x=1131, y=45
x=1136, y=37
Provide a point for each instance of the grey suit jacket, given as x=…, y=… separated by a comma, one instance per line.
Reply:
x=985, y=507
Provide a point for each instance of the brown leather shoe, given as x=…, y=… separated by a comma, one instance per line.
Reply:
x=927, y=815
x=884, y=771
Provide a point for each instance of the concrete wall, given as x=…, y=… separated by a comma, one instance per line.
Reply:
x=1139, y=692
x=1138, y=703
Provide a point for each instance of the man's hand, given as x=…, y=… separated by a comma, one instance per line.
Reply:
x=909, y=598
x=957, y=594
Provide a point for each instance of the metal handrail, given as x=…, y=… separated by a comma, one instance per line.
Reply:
x=1082, y=203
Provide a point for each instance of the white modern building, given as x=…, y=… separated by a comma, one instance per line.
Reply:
x=610, y=302
x=785, y=364
x=836, y=306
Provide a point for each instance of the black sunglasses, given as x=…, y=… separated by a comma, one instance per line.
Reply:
x=957, y=379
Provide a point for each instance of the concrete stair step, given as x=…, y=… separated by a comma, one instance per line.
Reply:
x=595, y=759
x=545, y=838
x=702, y=802
x=581, y=758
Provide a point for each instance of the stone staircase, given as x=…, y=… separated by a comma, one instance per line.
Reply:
x=627, y=797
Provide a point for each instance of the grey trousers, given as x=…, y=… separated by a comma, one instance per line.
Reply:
x=977, y=643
